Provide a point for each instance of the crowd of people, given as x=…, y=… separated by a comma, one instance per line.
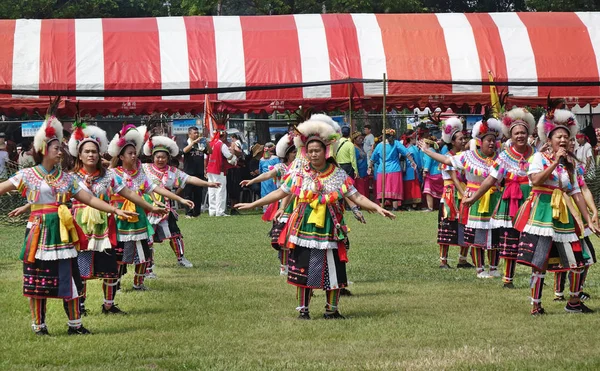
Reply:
x=95, y=208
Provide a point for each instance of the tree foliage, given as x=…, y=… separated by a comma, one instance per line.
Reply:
x=43, y=9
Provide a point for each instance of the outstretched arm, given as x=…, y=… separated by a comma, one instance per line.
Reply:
x=434, y=155
x=457, y=183
x=202, y=183
x=170, y=195
x=268, y=199
x=370, y=206
x=484, y=187
x=139, y=201
x=261, y=178
x=97, y=203
x=6, y=186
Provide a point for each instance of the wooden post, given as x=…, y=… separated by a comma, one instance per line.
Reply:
x=383, y=144
x=352, y=128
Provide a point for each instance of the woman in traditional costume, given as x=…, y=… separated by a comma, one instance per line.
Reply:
x=476, y=164
x=316, y=234
x=550, y=224
x=97, y=231
x=133, y=234
x=410, y=178
x=162, y=150
x=510, y=168
x=49, y=251
x=450, y=231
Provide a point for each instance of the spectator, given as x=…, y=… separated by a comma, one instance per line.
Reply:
x=584, y=152
x=194, y=165
x=369, y=141
x=219, y=156
x=345, y=155
x=265, y=164
x=67, y=163
x=412, y=187
x=26, y=156
x=362, y=164
x=3, y=156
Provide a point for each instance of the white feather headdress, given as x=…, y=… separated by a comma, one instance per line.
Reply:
x=554, y=119
x=159, y=143
x=283, y=146
x=129, y=135
x=51, y=129
x=84, y=133
x=517, y=116
x=451, y=126
x=483, y=128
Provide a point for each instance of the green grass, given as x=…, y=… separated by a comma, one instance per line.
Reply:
x=233, y=311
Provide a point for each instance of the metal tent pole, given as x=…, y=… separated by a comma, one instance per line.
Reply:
x=383, y=142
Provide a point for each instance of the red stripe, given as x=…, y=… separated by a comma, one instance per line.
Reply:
x=415, y=50
x=344, y=53
x=131, y=55
x=201, y=53
x=271, y=55
x=563, y=52
x=57, y=54
x=7, y=41
x=489, y=48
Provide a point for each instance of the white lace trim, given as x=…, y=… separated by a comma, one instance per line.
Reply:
x=495, y=223
x=325, y=245
x=99, y=244
x=55, y=254
x=549, y=232
x=136, y=237
x=155, y=219
x=478, y=225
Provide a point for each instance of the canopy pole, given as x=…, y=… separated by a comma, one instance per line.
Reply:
x=350, y=108
x=383, y=144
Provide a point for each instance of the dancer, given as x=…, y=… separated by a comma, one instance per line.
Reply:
x=317, y=233
x=362, y=164
x=450, y=231
x=511, y=167
x=133, y=234
x=476, y=164
x=49, y=251
x=412, y=186
x=162, y=149
x=433, y=181
x=550, y=239
x=97, y=258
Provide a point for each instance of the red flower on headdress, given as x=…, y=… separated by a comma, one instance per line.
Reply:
x=50, y=131
x=483, y=129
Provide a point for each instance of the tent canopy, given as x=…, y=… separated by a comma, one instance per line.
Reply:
x=436, y=59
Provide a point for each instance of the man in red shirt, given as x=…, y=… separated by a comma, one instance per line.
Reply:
x=217, y=172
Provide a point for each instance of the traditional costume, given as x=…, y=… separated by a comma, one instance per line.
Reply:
x=170, y=178
x=97, y=232
x=511, y=168
x=450, y=231
x=49, y=251
x=477, y=167
x=316, y=233
x=394, y=188
x=132, y=233
x=549, y=239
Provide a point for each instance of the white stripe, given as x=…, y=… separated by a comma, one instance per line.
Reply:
x=462, y=51
x=520, y=60
x=592, y=22
x=333, y=282
x=372, y=54
x=174, y=60
x=229, y=44
x=26, y=57
x=89, y=56
x=314, y=54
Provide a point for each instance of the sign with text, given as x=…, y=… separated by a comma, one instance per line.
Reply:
x=28, y=129
x=181, y=126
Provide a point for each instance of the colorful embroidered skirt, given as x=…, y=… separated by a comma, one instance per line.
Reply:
x=535, y=218
x=316, y=269
x=502, y=214
x=537, y=251
x=411, y=192
x=96, y=264
x=433, y=185
x=167, y=229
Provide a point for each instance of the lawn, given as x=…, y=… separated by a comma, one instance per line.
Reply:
x=233, y=311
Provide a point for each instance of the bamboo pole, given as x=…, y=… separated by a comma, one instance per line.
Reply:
x=350, y=108
x=383, y=144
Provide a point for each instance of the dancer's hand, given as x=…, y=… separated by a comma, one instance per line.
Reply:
x=383, y=212
x=213, y=185
x=243, y=206
x=278, y=214
x=18, y=211
x=125, y=214
x=188, y=203
x=245, y=182
x=159, y=210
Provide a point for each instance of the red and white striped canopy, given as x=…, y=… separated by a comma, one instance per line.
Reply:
x=187, y=53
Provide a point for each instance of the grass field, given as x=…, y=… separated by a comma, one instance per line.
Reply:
x=233, y=311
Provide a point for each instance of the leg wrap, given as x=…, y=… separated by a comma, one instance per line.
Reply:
x=478, y=258
x=283, y=256
x=559, y=283
x=109, y=286
x=177, y=247
x=303, y=295
x=464, y=252
x=537, y=284
x=494, y=259
x=140, y=273
x=584, y=275
x=444, y=254
x=72, y=309
x=575, y=282
x=38, y=313
x=509, y=270
x=333, y=298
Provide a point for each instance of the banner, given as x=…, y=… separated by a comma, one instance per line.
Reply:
x=28, y=129
x=181, y=126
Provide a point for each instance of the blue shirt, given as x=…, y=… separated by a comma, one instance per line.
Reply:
x=409, y=172
x=431, y=165
x=392, y=156
x=264, y=165
x=361, y=162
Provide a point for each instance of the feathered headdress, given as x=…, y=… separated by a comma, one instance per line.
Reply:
x=51, y=129
x=487, y=126
x=450, y=127
x=129, y=135
x=556, y=118
x=83, y=133
x=160, y=143
x=517, y=116
x=285, y=144
x=319, y=127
